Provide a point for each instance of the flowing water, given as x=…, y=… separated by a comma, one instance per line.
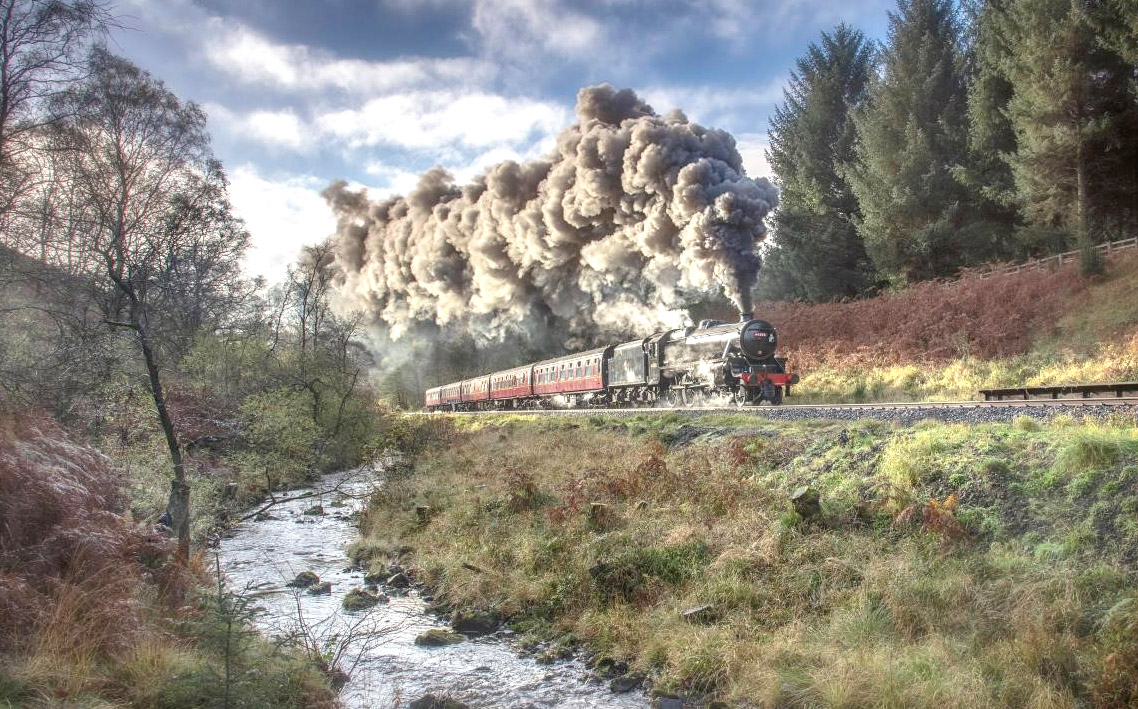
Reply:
x=259, y=558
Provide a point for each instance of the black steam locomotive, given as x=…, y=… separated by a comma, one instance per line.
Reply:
x=709, y=363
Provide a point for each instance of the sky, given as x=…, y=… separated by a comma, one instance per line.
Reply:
x=301, y=92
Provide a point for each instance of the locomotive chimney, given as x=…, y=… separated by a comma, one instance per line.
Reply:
x=744, y=316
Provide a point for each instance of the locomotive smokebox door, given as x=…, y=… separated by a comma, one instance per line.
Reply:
x=758, y=339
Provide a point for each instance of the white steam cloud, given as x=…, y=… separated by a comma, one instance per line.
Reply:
x=632, y=217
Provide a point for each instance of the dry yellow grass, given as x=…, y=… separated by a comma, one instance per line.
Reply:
x=850, y=611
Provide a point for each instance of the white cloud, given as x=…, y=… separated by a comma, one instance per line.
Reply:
x=249, y=57
x=273, y=129
x=395, y=180
x=430, y=120
x=753, y=149
x=520, y=28
x=282, y=215
x=714, y=106
x=276, y=128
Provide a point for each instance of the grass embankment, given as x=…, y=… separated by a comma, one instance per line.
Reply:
x=93, y=611
x=951, y=566
x=946, y=341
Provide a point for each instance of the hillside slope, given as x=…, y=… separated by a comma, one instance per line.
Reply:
x=938, y=340
x=944, y=565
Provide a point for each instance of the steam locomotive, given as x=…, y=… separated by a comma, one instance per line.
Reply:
x=712, y=362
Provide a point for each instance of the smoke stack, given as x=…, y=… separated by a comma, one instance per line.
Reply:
x=744, y=316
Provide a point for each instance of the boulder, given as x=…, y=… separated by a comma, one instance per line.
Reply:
x=358, y=599
x=474, y=623
x=398, y=580
x=699, y=614
x=320, y=589
x=608, y=668
x=807, y=502
x=438, y=637
x=304, y=579
x=433, y=701
x=627, y=683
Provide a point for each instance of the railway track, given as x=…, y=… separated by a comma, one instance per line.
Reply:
x=970, y=411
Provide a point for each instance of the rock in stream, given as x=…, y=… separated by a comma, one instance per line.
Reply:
x=481, y=671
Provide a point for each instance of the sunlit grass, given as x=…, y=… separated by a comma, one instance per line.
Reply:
x=837, y=382
x=863, y=608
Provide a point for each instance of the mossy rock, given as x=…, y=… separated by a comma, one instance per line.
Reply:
x=438, y=637
x=474, y=622
x=304, y=579
x=431, y=701
x=358, y=599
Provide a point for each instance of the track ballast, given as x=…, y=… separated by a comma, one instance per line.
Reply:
x=903, y=412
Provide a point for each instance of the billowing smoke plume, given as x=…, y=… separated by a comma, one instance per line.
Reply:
x=632, y=217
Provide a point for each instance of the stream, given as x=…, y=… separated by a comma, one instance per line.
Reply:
x=260, y=557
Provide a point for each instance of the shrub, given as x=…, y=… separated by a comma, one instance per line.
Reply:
x=59, y=502
x=1026, y=424
x=928, y=320
x=629, y=572
x=280, y=426
x=94, y=596
x=1091, y=448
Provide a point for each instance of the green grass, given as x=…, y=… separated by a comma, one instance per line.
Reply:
x=881, y=602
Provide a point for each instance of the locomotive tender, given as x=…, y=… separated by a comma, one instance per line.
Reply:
x=714, y=360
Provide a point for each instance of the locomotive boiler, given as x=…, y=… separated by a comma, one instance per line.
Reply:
x=712, y=362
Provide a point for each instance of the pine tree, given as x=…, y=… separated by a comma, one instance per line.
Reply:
x=817, y=252
x=917, y=220
x=991, y=138
x=1119, y=22
x=1074, y=116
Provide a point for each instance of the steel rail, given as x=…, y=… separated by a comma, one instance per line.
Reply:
x=1119, y=402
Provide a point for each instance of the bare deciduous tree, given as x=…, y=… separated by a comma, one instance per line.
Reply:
x=42, y=49
x=153, y=207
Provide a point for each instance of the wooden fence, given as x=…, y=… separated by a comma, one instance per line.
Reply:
x=1107, y=249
